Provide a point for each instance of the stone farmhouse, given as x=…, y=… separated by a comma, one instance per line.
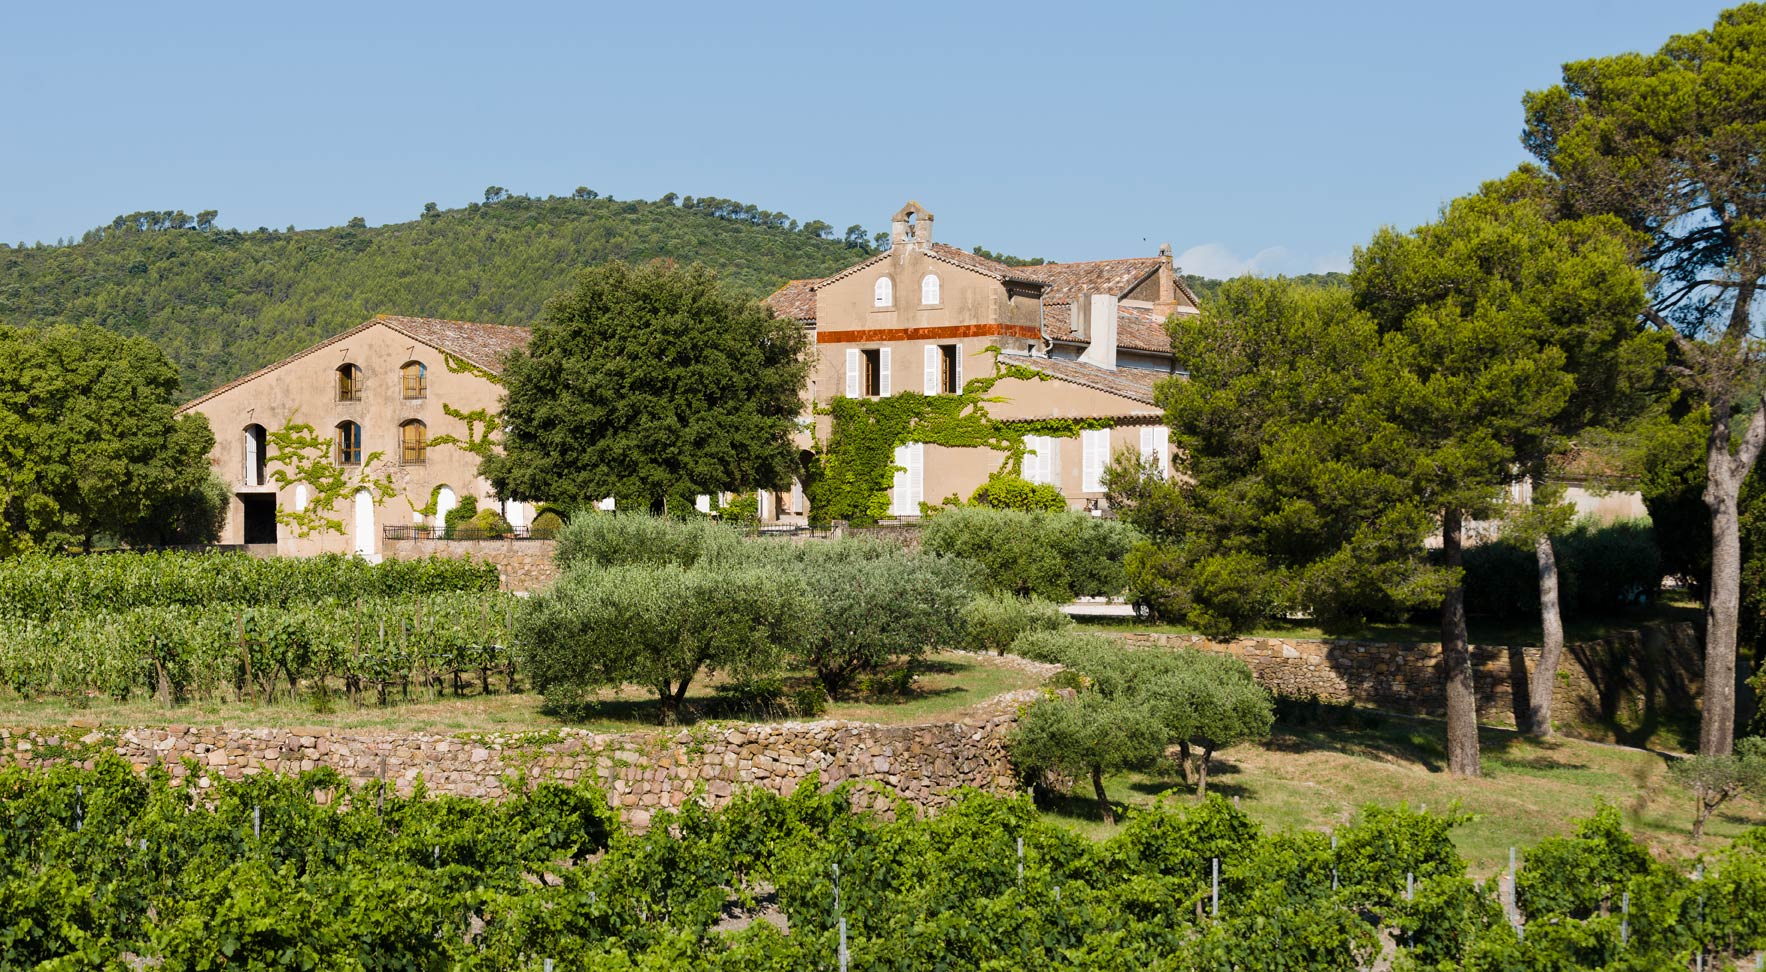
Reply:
x=377, y=391
x=918, y=316
x=921, y=316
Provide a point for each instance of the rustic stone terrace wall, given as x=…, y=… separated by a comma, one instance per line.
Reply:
x=1656, y=664
x=524, y=565
x=640, y=772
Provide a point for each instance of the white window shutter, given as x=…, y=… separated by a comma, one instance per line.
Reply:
x=852, y=372
x=702, y=502
x=1050, y=460
x=883, y=378
x=1149, y=445
x=959, y=369
x=903, y=487
x=796, y=496
x=1095, y=445
x=1031, y=458
x=1162, y=436
x=917, y=477
x=933, y=360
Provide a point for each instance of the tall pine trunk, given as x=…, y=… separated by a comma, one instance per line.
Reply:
x=1551, y=651
x=1456, y=658
x=1723, y=609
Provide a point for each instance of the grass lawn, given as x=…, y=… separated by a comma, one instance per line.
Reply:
x=1482, y=631
x=1315, y=776
x=947, y=686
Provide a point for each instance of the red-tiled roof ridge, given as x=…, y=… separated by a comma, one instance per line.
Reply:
x=417, y=328
x=795, y=300
x=1068, y=280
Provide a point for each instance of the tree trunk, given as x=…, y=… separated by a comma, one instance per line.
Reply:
x=1700, y=814
x=1722, y=611
x=1551, y=652
x=1456, y=659
x=1183, y=759
x=1097, y=784
x=671, y=705
x=1202, y=772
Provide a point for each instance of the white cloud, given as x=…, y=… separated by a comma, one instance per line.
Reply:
x=1218, y=261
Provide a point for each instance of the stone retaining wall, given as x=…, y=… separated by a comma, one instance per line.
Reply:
x=1659, y=663
x=524, y=565
x=640, y=772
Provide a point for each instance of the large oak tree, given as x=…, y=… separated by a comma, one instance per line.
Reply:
x=646, y=383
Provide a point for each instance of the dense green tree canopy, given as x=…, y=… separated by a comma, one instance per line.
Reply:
x=647, y=384
x=89, y=444
x=1671, y=143
x=223, y=302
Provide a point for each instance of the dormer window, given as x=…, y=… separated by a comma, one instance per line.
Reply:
x=929, y=293
x=349, y=383
x=414, y=378
x=883, y=294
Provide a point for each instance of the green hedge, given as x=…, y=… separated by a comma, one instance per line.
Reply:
x=39, y=586
x=1055, y=556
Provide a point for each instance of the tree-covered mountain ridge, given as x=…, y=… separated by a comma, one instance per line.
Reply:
x=225, y=302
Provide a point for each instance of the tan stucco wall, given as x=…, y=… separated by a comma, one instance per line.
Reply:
x=305, y=390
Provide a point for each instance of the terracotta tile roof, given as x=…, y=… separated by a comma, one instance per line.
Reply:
x=1137, y=328
x=1134, y=384
x=1068, y=280
x=481, y=344
x=796, y=300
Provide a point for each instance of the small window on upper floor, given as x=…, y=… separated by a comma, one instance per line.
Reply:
x=883, y=294
x=414, y=377
x=349, y=383
x=929, y=292
x=349, y=444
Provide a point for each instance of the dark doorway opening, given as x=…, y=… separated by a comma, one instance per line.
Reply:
x=260, y=517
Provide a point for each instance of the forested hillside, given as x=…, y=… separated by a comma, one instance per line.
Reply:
x=1206, y=287
x=223, y=302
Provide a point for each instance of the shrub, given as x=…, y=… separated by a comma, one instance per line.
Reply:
x=546, y=525
x=1004, y=491
x=1602, y=569
x=605, y=539
x=658, y=625
x=487, y=524
x=992, y=622
x=1056, y=556
x=743, y=510
x=460, y=515
x=1062, y=646
x=873, y=604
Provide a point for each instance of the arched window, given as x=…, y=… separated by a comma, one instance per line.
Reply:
x=349, y=444
x=883, y=294
x=414, y=376
x=349, y=383
x=254, y=455
x=413, y=443
x=929, y=289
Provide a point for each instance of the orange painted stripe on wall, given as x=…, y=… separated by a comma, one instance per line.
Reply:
x=926, y=333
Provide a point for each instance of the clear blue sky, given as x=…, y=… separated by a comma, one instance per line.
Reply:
x=1270, y=136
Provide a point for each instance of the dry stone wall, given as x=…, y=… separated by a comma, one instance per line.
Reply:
x=523, y=565
x=640, y=772
x=1594, y=679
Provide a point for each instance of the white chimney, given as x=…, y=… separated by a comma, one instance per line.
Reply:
x=1100, y=329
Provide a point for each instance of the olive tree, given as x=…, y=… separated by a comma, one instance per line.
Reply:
x=874, y=604
x=1086, y=734
x=659, y=626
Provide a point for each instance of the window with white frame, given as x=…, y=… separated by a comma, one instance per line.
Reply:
x=1094, y=447
x=1156, y=447
x=867, y=373
x=883, y=293
x=929, y=289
